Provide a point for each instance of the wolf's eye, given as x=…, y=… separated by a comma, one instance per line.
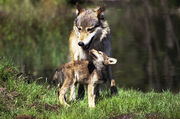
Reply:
x=79, y=28
x=90, y=29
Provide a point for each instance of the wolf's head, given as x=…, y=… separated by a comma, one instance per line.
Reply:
x=88, y=23
x=100, y=59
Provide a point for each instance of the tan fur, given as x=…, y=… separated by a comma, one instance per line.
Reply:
x=78, y=72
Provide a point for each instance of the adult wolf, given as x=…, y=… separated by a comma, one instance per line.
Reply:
x=90, y=31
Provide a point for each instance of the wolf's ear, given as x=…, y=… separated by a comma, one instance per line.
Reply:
x=100, y=11
x=112, y=60
x=78, y=9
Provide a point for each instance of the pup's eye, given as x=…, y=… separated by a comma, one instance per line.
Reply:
x=101, y=53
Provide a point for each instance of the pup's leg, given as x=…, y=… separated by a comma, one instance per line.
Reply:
x=81, y=89
x=91, y=96
x=73, y=92
x=62, y=93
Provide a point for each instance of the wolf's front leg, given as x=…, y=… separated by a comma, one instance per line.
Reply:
x=91, y=96
x=111, y=81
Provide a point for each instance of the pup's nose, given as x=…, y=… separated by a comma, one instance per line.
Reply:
x=90, y=51
x=81, y=44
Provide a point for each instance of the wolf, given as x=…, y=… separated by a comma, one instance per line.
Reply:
x=77, y=71
x=90, y=31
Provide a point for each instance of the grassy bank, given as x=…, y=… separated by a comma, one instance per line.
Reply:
x=18, y=97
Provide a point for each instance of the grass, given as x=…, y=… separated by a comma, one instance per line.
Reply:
x=17, y=97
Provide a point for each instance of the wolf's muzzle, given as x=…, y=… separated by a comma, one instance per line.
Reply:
x=86, y=46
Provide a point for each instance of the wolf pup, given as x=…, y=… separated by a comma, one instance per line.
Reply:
x=90, y=31
x=77, y=72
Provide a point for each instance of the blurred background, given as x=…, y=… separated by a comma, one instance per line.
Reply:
x=145, y=38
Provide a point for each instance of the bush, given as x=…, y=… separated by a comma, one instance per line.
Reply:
x=7, y=70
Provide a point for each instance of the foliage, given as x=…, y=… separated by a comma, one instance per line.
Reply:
x=7, y=70
x=34, y=36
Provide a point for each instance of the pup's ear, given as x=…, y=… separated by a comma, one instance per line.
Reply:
x=112, y=60
x=78, y=9
x=100, y=11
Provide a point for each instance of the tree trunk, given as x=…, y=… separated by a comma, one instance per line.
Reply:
x=148, y=41
x=169, y=44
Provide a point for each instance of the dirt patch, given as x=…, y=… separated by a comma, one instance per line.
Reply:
x=7, y=99
x=52, y=107
x=6, y=95
x=155, y=116
x=131, y=116
x=45, y=106
x=22, y=116
x=2, y=90
x=123, y=116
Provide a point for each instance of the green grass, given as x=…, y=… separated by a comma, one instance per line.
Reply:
x=41, y=101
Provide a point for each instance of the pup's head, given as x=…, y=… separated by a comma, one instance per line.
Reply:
x=100, y=58
x=88, y=24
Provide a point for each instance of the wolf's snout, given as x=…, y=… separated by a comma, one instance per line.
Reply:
x=81, y=44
